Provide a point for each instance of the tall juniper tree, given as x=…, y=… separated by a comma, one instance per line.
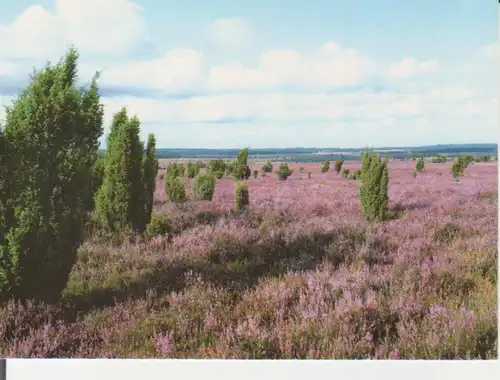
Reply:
x=121, y=198
x=373, y=191
x=51, y=136
x=240, y=169
x=150, y=169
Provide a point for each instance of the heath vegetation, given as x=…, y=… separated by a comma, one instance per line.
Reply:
x=100, y=256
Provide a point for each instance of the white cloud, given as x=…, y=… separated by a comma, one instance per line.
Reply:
x=184, y=69
x=409, y=67
x=359, y=119
x=445, y=108
x=178, y=70
x=230, y=31
x=331, y=65
x=105, y=27
x=34, y=34
x=102, y=26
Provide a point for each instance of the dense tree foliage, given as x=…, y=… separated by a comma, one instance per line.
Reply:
x=149, y=170
x=373, y=191
x=120, y=202
x=241, y=196
x=338, y=165
x=240, y=169
x=420, y=164
x=49, y=146
x=325, y=167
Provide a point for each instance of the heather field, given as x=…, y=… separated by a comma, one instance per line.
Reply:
x=300, y=274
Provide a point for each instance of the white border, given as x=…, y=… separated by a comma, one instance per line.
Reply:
x=82, y=369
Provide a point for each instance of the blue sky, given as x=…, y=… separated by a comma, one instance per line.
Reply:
x=226, y=74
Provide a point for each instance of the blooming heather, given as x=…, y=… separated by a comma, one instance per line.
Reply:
x=300, y=274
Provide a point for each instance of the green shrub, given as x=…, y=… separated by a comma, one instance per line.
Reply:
x=204, y=186
x=240, y=168
x=458, y=167
x=192, y=170
x=414, y=173
x=182, y=170
x=267, y=167
x=355, y=175
x=240, y=172
x=338, y=165
x=255, y=173
x=420, y=165
x=217, y=168
x=373, y=191
x=345, y=173
x=229, y=168
x=485, y=158
x=325, y=167
x=242, y=157
x=284, y=172
x=157, y=226
x=175, y=170
x=455, y=170
x=439, y=160
x=174, y=189
x=468, y=159
x=241, y=196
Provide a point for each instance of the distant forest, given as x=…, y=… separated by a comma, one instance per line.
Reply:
x=322, y=154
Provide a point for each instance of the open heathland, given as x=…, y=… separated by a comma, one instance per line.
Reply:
x=298, y=274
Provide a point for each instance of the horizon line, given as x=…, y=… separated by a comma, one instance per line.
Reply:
x=330, y=148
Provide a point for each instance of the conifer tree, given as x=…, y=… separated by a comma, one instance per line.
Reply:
x=241, y=196
x=150, y=169
x=284, y=171
x=49, y=145
x=120, y=201
x=325, y=167
x=192, y=170
x=97, y=176
x=373, y=191
x=420, y=165
x=204, y=186
x=338, y=166
x=267, y=167
x=240, y=169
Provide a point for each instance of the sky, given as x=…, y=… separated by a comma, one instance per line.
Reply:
x=273, y=73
